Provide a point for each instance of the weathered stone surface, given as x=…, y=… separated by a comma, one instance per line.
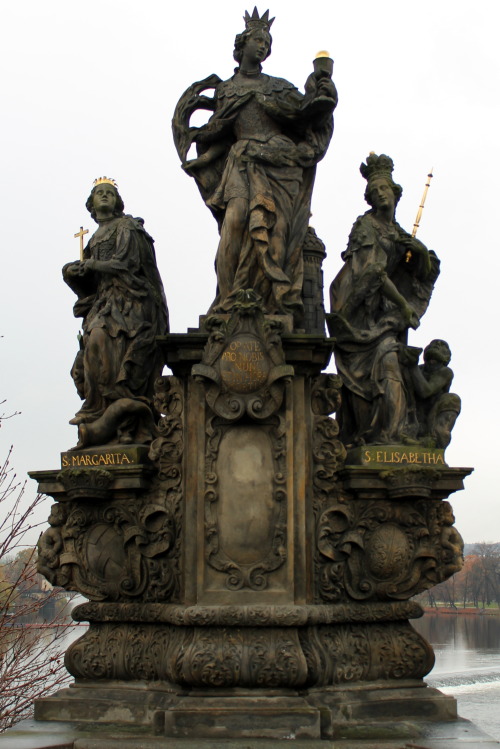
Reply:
x=122, y=303
x=256, y=615
x=260, y=716
x=255, y=165
x=249, y=572
x=380, y=293
x=249, y=657
x=412, y=735
x=253, y=558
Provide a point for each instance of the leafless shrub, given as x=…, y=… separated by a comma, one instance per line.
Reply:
x=34, y=618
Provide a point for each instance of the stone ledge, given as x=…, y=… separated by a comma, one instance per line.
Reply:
x=402, y=482
x=31, y=734
x=247, y=616
x=123, y=478
x=305, y=352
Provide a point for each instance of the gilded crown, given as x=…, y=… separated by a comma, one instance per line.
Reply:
x=105, y=180
x=377, y=166
x=255, y=21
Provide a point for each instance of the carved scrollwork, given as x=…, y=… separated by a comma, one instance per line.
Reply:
x=328, y=457
x=129, y=652
x=250, y=568
x=247, y=616
x=211, y=657
x=410, y=481
x=243, y=365
x=383, y=550
x=167, y=453
x=113, y=551
x=325, y=394
x=86, y=483
x=248, y=657
x=365, y=652
x=328, y=451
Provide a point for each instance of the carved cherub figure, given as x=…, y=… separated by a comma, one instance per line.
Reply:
x=437, y=408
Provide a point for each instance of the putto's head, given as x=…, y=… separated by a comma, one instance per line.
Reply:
x=257, y=29
x=378, y=170
x=105, y=198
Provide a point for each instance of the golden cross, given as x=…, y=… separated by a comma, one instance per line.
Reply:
x=81, y=234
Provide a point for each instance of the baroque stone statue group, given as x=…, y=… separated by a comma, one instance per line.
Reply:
x=249, y=529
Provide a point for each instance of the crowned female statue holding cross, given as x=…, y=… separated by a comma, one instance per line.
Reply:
x=121, y=300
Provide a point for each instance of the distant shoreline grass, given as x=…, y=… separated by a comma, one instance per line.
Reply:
x=446, y=609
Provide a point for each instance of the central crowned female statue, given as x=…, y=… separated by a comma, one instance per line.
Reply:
x=255, y=169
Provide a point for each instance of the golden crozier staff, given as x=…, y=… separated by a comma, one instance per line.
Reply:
x=419, y=212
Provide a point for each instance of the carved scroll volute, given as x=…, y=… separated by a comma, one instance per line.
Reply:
x=328, y=457
x=328, y=451
x=110, y=551
x=243, y=365
x=379, y=550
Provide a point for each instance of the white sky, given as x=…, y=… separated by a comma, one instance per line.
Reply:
x=89, y=88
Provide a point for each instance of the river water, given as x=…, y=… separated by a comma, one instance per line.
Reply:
x=467, y=648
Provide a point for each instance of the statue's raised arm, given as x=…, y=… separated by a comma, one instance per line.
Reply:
x=255, y=165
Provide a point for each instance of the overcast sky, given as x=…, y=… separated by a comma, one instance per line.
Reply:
x=89, y=88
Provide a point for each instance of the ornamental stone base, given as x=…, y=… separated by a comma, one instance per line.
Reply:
x=243, y=579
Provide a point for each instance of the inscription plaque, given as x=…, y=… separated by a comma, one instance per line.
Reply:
x=396, y=455
x=244, y=366
x=105, y=457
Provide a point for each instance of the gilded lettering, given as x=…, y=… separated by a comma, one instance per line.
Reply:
x=379, y=456
x=404, y=458
x=95, y=460
x=439, y=459
x=368, y=456
x=396, y=457
x=125, y=458
x=65, y=462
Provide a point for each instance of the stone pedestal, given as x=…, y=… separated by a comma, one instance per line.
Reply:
x=243, y=579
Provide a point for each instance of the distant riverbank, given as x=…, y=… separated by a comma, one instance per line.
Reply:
x=460, y=610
